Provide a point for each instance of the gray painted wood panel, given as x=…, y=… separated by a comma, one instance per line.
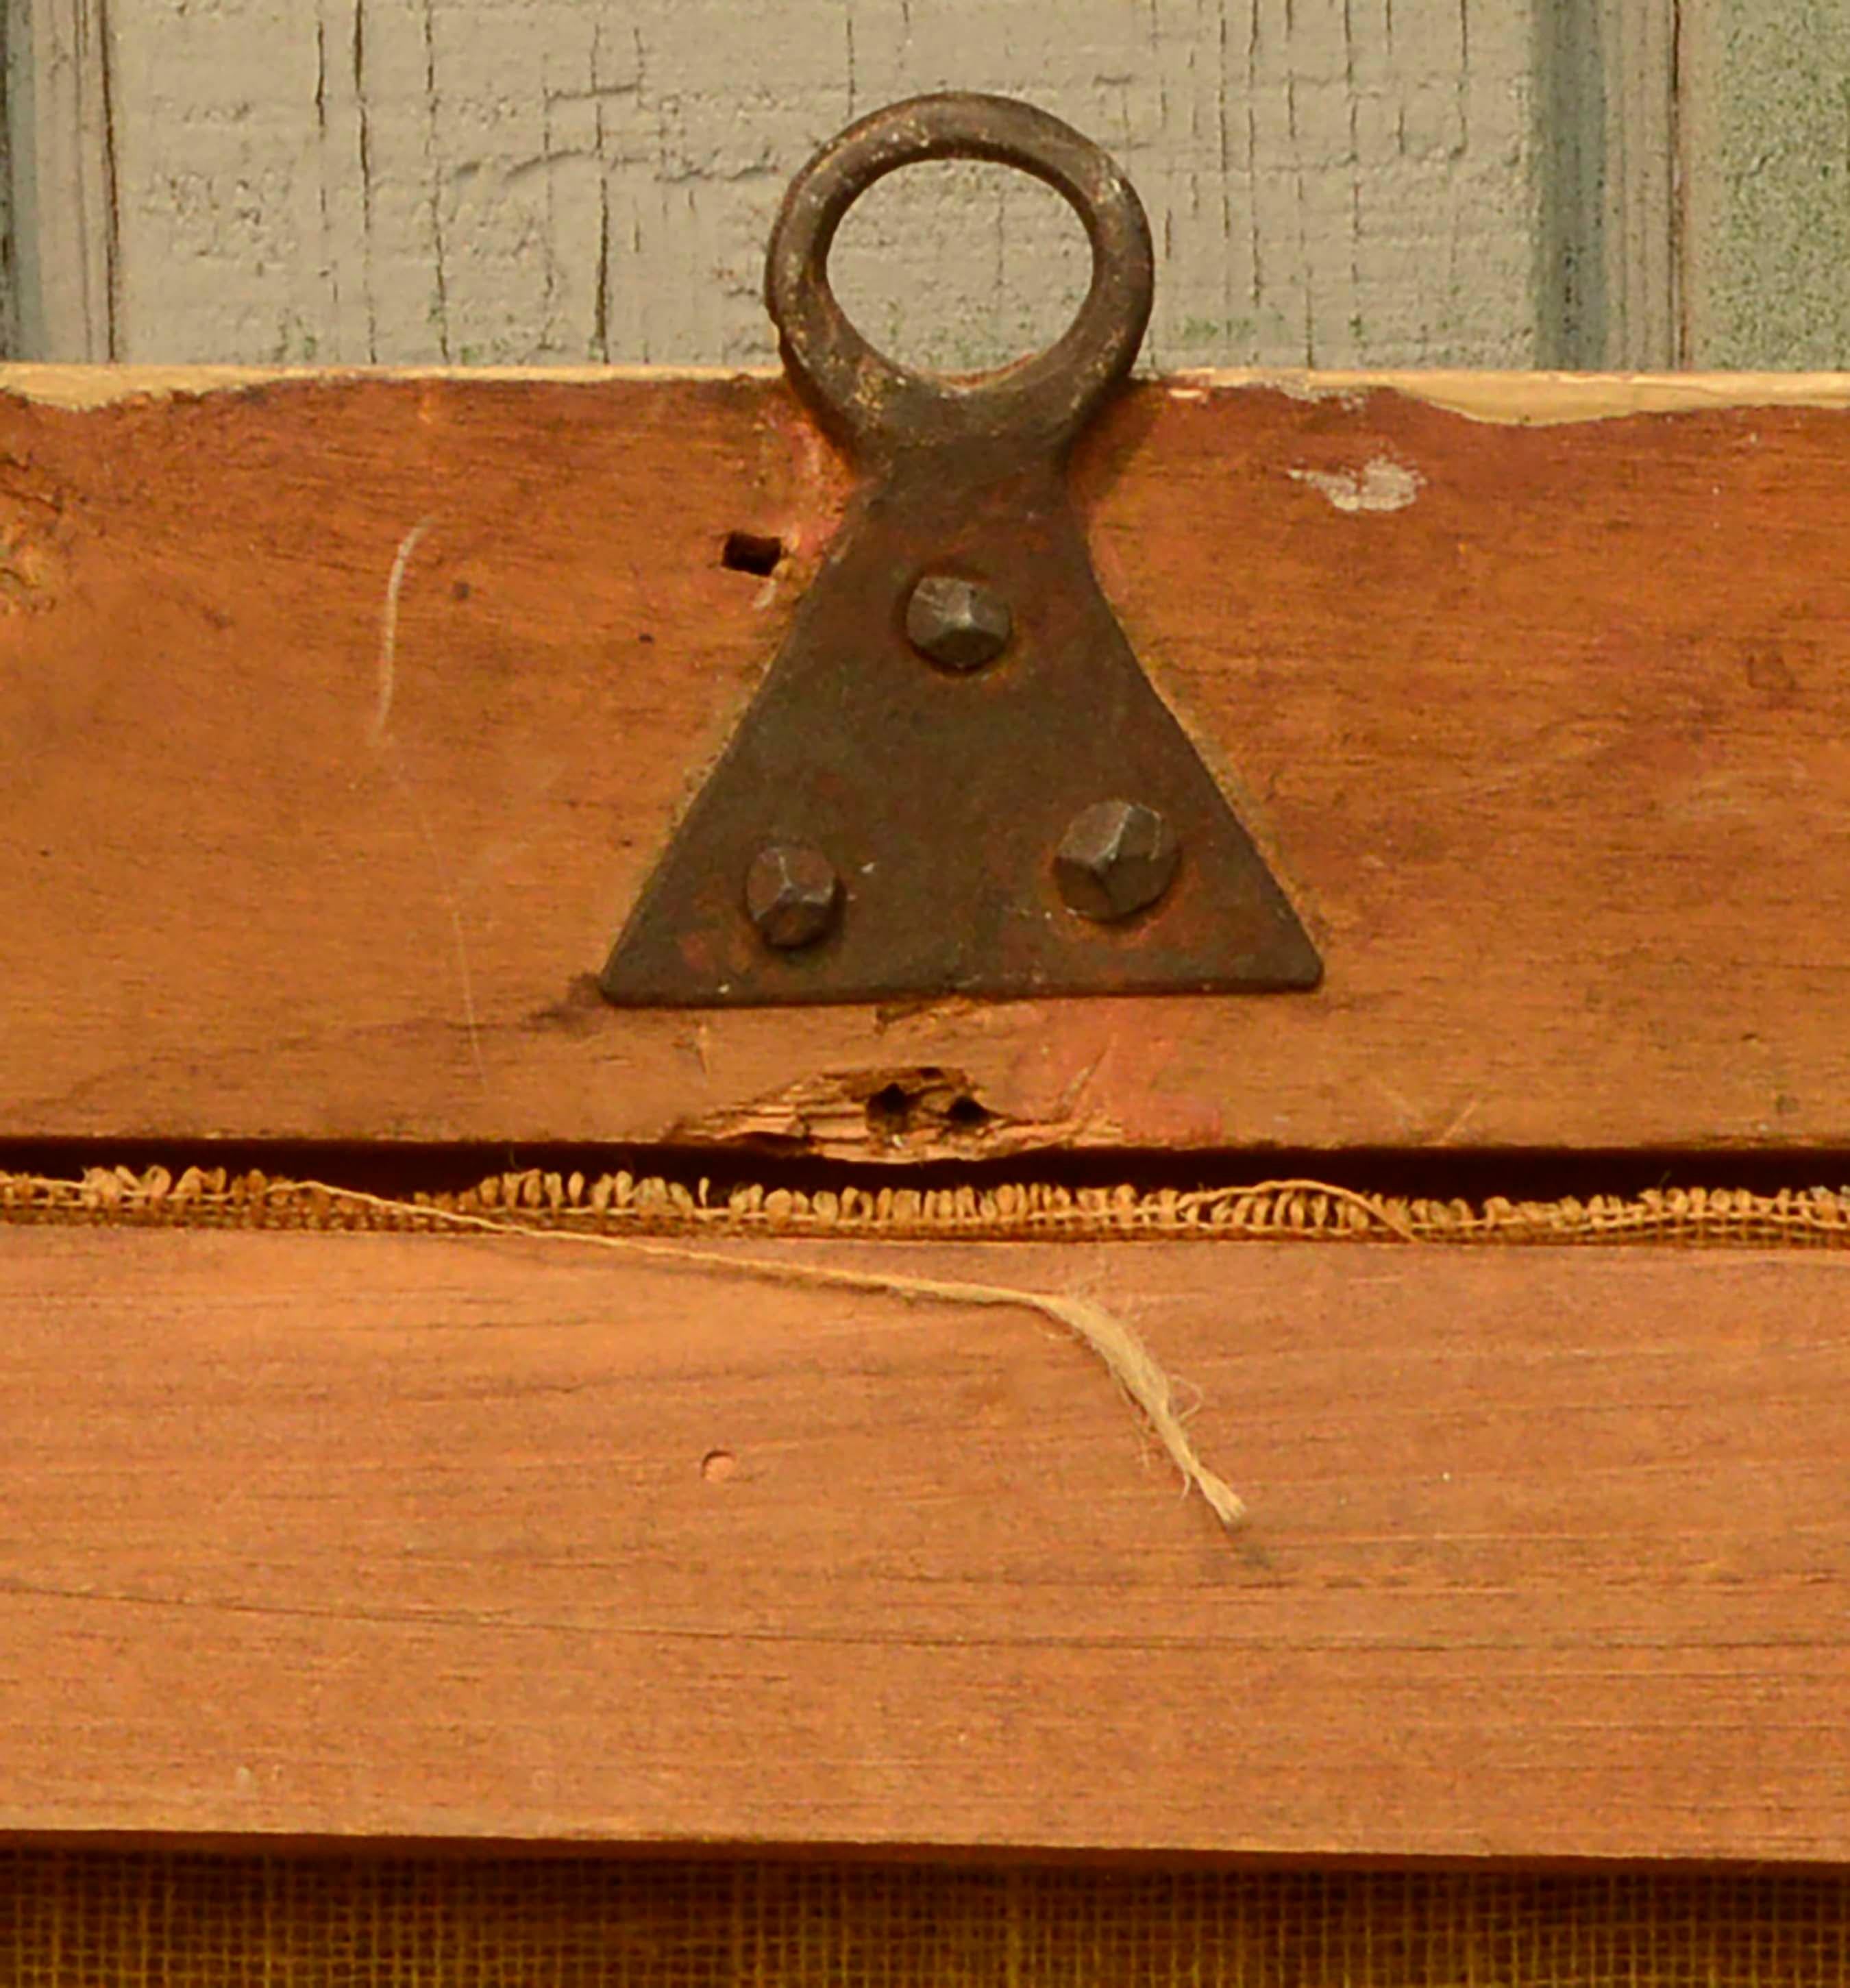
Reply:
x=1333, y=182
x=1628, y=183
x=1765, y=102
x=1606, y=99
x=61, y=190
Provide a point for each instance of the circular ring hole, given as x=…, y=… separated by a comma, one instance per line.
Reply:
x=960, y=266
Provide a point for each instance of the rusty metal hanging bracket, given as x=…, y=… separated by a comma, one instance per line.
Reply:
x=955, y=778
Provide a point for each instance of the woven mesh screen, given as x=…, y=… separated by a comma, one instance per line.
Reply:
x=70, y=1918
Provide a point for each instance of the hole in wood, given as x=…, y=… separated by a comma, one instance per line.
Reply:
x=887, y=1109
x=717, y=1466
x=926, y=1105
x=752, y=552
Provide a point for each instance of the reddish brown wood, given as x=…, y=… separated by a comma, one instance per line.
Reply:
x=1550, y=1551
x=1552, y=757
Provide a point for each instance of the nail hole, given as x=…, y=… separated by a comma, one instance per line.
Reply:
x=461, y=590
x=719, y=1464
x=886, y=1109
x=752, y=552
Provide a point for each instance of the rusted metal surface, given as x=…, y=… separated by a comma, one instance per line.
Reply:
x=933, y=746
x=959, y=624
x=1116, y=859
x=792, y=894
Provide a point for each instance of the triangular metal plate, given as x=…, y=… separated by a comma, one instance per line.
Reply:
x=940, y=798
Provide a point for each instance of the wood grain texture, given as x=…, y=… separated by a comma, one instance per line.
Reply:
x=1541, y=726
x=371, y=1536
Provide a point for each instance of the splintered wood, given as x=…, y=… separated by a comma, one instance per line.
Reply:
x=1529, y=698
x=348, y=715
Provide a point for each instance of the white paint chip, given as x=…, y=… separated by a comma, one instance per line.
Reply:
x=1381, y=485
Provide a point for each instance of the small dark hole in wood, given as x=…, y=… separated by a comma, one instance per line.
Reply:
x=752, y=552
x=968, y=1115
x=886, y=1109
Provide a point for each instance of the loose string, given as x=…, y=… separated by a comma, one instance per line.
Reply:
x=1111, y=1339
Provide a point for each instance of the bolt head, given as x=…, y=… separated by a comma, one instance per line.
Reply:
x=792, y=894
x=1115, y=859
x=959, y=624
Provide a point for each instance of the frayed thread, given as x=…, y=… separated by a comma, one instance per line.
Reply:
x=1111, y=1339
x=1273, y=1211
